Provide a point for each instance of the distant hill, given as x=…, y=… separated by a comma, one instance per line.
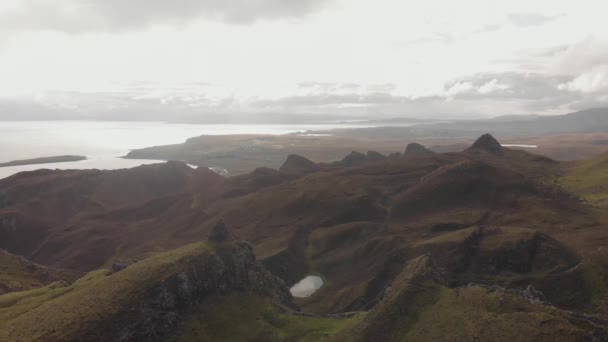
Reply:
x=44, y=160
x=587, y=121
x=489, y=243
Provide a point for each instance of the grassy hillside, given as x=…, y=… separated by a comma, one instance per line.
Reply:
x=417, y=242
x=589, y=179
x=242, y=317
x=420, y=307
x=19, y=274
x=148, y=300
x=63, y=314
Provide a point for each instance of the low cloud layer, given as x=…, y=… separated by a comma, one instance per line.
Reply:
x=529, y=19
x=75, y=16
x=474, y=96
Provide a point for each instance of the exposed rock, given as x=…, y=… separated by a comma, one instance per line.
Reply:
x=219, y=233
x=373, y=156
x=488, y=144
x=353, y=159
x=299, y=165
x=417, y=150
x=231, y=268
x=532, y=295
x=394, y=155
x=417, y=283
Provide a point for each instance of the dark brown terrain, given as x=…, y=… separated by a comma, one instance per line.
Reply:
x=503, y=229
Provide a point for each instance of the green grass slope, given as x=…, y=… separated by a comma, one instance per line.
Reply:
x=589, y=179
x=146, y=301
x=19, y=274
x=246, y=317
x=420, y=307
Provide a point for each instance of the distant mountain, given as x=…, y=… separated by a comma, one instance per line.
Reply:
x=514, y=117
x=588, y=121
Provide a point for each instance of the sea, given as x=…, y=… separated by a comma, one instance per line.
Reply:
x=104, y=143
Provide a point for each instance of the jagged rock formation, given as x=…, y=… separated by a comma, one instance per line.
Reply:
x=373, y=156
x=219, y=232
x=150, y=299
x=357, y=226
x=486, y=143
x=296, y=164
x=353, y=159
x=417, y=150
x=357, y=158
x=418, y=306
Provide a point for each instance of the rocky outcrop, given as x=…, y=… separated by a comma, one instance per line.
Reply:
x=353, y=159
x=296, y=164
x=417, y=150
x=486, y=143
x=416, y=286
x=373, y=156
x=230, y=268
x=357, y=158
x=219, y=232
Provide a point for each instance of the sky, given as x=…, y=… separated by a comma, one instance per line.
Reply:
x=213, y=59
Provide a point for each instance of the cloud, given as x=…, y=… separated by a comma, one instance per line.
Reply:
x=473, y=96
x=492, y=86
x=583, y=56
x=75, y=16
x=529, y=19
x=508, y=85
x=592, y=81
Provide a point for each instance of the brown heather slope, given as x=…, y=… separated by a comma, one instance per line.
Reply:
x=40, y=211
x=492, y=218
x=486, y=244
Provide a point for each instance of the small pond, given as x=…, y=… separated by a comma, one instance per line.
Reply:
x=306, y=287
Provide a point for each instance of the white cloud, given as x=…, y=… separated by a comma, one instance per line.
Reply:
x=459, y=88
x=592, y=81
x=391, y=55
x=492, y=86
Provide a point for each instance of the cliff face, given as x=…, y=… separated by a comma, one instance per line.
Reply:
x=418, y=306
x=150, y=299
x=231, y=269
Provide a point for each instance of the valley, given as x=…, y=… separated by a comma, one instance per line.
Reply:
x=406, y=247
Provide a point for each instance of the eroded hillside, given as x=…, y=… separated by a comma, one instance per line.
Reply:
x=518, y=234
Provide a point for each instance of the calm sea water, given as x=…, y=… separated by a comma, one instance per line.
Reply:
x=104, y=142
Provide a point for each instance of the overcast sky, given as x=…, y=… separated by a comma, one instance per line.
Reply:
x=431, y=58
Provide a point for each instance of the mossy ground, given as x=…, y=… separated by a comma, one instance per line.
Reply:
x=474, y=314
x=589, y=179
x=246, y=317
x=18, y=274
x=61, y=312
